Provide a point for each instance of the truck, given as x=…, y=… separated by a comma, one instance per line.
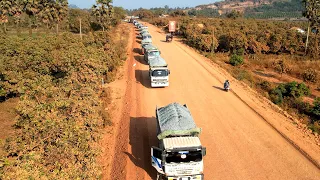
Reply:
x=146, y=35
x=180, y=153
x=150, y=52
x=145, y=42
x=158, y=72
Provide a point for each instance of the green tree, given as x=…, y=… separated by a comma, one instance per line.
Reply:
x=103, y=12
x=33, y=9
x=312, y=12
x=10, y=8
x=74, y=20
x=59, y=12
x=234, y=14
x=144, y=13
x=316, y=107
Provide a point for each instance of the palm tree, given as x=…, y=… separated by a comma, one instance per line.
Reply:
x=33, y=9
x=312, y=12
x=59, y=12
x=103, y=12
x=10, y=8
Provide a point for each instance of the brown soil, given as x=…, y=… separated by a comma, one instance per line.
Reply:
x=246, y=136
x=7, y=119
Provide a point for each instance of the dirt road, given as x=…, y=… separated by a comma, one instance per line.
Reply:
x=240, y=143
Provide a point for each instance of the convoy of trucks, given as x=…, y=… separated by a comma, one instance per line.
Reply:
x=179, y=155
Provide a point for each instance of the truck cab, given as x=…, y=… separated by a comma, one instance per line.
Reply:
x=143, y=27
x=158, y=72
x=144, y=43
x=180, y=153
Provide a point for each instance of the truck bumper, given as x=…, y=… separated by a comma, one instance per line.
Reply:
x=187, y=177
x=160, y=84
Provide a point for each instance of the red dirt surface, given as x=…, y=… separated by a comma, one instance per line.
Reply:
x=246, y=136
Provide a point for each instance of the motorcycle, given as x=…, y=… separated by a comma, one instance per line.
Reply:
x=169, y=37
x=226, y=86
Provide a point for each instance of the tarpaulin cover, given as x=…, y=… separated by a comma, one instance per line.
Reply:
x=175, y=120
x=157, y=62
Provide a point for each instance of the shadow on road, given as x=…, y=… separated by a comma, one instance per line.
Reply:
x=220, y=88
x=163, y=40
x=142, y=137
x=137, y=50
x=138, y=41
x=142, y=77
x=140, y=59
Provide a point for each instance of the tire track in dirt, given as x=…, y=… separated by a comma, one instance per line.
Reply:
x=139, y=133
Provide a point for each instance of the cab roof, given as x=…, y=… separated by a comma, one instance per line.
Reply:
x=181, y=142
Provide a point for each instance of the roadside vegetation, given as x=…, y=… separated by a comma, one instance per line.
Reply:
x=274, y=57
x=57, y=76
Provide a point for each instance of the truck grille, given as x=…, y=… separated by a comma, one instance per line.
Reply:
x=160, y=80
x=186, y=171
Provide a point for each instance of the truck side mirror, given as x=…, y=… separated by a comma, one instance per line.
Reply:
x=204, y=151
x=169, y=72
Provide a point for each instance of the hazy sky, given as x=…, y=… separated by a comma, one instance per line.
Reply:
x=134, y=4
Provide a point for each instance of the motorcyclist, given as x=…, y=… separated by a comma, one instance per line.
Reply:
x=226, y=84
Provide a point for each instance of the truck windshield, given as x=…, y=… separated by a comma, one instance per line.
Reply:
x=183, y=156
x=160, y=73
x=146, y=37
x=154, y=53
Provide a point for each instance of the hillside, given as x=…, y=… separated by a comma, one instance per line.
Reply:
x=257, y=8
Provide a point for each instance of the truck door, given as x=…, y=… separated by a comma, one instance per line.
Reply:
x=156, y=155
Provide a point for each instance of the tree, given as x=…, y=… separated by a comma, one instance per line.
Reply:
x=313, y=14
x=74, y=20
x=59, y=11
x=234, y=14
x=178, y=13
x=10, y=8
x=103, y=12
x=144, y=13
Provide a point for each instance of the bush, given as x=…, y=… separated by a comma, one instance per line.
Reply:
x=310, y=75
x=265, y=85
x=239, y=52
x=291, y=89
x=236, y=60
x=316, y=108
x=276, y=96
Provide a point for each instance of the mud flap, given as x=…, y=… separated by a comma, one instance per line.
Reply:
x=156, y=155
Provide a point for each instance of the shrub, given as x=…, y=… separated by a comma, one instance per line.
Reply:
x=265, y=85
x=239, y=52
x=310, y=75
x=276, y=96
x=291, y=89
x=236, y=60
x=281, y=66
x=316, y=108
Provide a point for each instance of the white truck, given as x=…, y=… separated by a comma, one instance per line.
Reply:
x=158, y=72
x=180, y=153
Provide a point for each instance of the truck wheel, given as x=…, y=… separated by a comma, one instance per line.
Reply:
x=160, y=177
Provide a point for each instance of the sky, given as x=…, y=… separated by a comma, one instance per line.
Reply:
x=135, y=4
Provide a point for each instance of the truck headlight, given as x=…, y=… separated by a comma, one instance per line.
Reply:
x=197, y=177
